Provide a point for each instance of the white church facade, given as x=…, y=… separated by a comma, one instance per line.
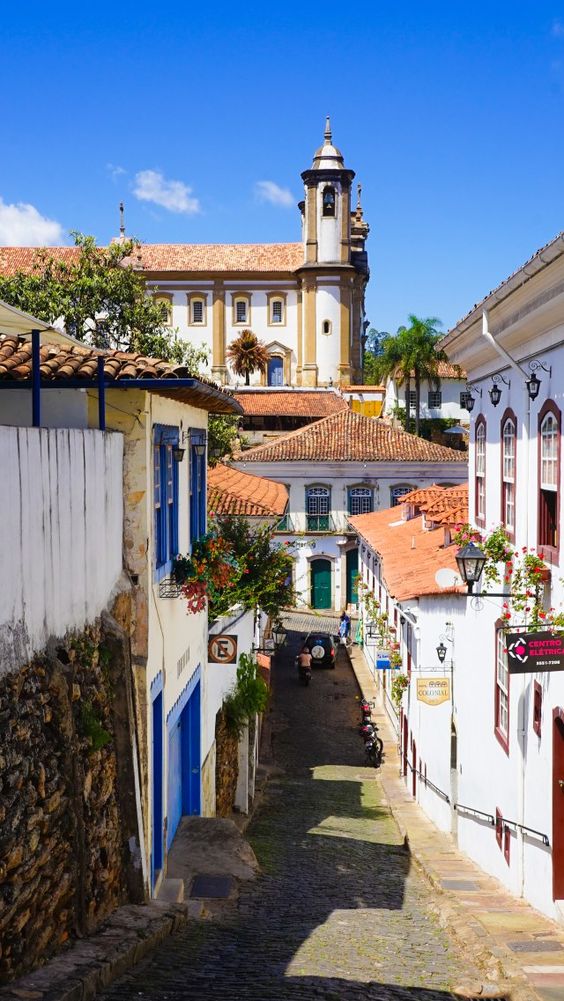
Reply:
x=304, y=301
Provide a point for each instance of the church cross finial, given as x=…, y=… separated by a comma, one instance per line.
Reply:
x=359, y=190
x=121, y=222
x=328, y=136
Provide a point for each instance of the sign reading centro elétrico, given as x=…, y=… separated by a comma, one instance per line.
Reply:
x=531, y=652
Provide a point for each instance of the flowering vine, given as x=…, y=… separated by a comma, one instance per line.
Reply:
x=524, y=573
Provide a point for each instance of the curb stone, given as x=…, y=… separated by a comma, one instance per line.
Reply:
x=91, y=965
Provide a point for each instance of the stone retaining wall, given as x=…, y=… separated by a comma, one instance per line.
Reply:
x=66, y=814
x=226, y=767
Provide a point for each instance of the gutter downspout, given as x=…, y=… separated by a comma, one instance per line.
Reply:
x=526, y=433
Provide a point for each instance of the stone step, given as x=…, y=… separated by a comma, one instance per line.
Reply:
x=171, y=891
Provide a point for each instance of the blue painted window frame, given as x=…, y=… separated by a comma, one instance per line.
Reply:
x=165, y=498
x=198, y=476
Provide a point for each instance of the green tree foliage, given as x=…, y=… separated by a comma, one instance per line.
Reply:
x=372, y=351
x=248, y=697
x=247, y=355
x=101, y=300
x=223, y=435
x=412, y=353
x=264, y=574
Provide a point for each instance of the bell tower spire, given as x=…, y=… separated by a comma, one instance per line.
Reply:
x=327, y=134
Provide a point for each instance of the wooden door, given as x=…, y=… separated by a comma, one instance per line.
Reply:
x=558, y=804
x=321, y=584
x=352, y=576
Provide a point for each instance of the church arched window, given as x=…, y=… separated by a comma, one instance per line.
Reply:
x=329, y=201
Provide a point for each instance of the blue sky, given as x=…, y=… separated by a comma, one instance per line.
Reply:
x=450, y=113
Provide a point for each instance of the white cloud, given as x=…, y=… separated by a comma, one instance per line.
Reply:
x=557, y=29
x=21, y=225
x=151, y=186
x=269, y=191
x=115, y=171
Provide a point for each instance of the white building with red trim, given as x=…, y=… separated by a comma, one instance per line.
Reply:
x=488, y=764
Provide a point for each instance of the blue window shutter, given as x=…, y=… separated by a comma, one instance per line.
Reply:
x=165, y=492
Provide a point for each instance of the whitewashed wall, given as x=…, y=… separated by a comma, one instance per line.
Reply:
x=60, y=533
x=381, y=477
x=450, y=403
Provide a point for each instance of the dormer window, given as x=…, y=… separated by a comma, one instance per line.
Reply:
x=329, y=201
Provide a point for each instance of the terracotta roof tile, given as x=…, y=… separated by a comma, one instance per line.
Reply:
x=350, y=437
x=363, y=389
x=191, y=257
x=76, y=361
x=231, y=492
x=291, y=402
x=402, y=544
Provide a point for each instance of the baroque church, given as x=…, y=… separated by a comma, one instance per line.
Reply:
x=304, y=301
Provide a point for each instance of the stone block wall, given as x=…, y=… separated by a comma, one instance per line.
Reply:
x=66, y=816
x=226, y=766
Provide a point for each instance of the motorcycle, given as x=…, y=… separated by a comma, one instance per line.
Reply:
x=304, y=672
x=374, y=748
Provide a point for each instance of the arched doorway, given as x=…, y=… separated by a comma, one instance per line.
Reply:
x=320, y=583
x=352, y=576
x=275, y=374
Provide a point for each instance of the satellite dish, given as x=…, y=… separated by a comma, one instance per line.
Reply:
x=447, y=577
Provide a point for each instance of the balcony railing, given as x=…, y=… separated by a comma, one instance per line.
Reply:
x=285, y=524
x=320, y=523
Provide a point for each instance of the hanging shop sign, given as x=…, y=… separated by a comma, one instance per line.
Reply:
x=531, y=652
x=433, y=691
x=222, y=649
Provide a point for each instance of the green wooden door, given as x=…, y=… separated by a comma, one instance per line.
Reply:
x=321, y=584
x=352, y=576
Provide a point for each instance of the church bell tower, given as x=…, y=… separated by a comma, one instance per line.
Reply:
x=334, y=272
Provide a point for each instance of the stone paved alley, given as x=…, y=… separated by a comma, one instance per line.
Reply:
x=338, y=912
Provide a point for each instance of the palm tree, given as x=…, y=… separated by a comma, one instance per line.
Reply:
x=412, y=354
x=422, y=336
x=394, y=361
x=247, y=355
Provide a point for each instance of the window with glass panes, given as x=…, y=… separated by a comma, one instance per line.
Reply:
x=480, y=461
x=165, y=497
x=508, y=445
x=549, y=434
x=241, y=311
x=318, y=506
x=276, y=311
x=501, y=690
x=396, y=493
x=361, y=500
x=197, y=311
x=435, y=399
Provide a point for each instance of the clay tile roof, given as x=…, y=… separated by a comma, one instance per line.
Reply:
x=159, y=257
x=402, y=544
x=231, y=491
x=290, y=402
x=350, y=437
x=76, y=361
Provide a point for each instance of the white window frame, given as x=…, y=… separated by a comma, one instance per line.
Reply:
x=480, y=470
x=549, y=452
x=364, y=497
x=509, y=447
x=502, y=687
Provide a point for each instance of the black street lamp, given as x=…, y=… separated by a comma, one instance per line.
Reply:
x=470, y=560
x=278, y=634
x=533, y=386
x=495, y=394
x=441, y=652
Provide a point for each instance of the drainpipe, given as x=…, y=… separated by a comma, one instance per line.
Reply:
x=526, y=435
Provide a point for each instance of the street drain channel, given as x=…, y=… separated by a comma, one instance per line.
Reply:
x=205, y=886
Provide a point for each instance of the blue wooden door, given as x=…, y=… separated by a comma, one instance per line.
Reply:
x=174, y=812
x=157, y=817
x=275, y=372
x=191, y=755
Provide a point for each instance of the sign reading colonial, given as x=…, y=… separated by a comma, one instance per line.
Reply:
x=528, y=652
x=433, y=691
x=222, y=649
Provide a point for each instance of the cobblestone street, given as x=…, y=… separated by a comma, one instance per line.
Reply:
x=338, y=911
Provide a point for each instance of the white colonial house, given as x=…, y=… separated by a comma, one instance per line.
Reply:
x=303, y=300
x=149, y=413
x=337, y=467
x=446, y=398
x=487, y=763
